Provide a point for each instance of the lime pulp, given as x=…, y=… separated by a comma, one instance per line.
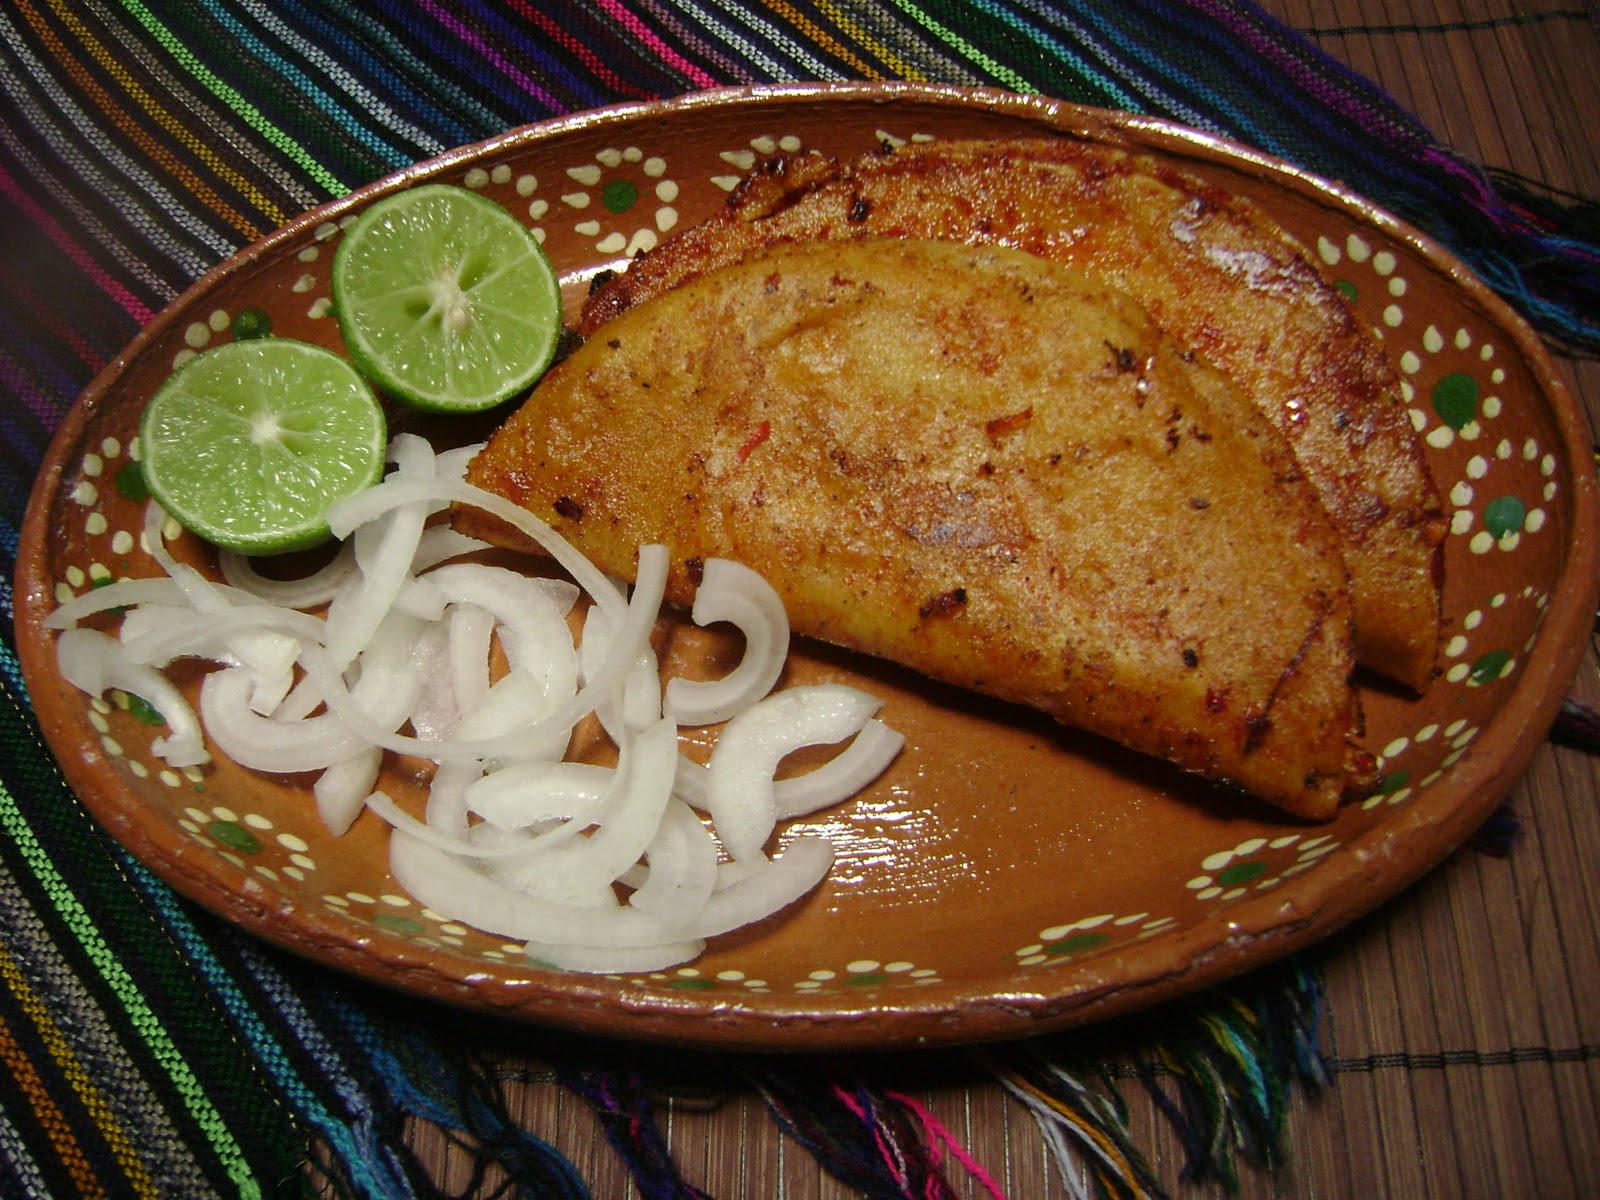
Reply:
x=445, y=300
x=250, y=444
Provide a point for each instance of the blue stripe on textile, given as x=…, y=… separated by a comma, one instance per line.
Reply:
x=357, y=1154
x=307, y=88
x=1114, y=93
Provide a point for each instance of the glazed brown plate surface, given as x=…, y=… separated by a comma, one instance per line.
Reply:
x=1006, y=876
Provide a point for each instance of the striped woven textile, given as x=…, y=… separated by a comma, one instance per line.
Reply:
x=148, y=1050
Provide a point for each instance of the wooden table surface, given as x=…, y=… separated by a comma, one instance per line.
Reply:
x=1464, y=1016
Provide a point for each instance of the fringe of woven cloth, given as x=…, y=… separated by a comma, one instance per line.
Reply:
x=1221, y=1069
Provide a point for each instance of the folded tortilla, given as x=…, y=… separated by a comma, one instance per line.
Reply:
x=984, y=466
x=1211, y=269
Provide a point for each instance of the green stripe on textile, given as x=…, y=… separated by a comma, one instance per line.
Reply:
x=127, y=992
x=231, y=97
x=965, y=48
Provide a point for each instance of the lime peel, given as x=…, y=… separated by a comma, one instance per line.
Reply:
x=250, y=444
x=445, y=300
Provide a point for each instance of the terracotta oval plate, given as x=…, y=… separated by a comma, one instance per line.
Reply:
x=1005, y=877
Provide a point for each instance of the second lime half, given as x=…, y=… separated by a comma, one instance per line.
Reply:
x=445, y=300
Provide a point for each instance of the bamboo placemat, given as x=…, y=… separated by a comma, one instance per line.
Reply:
x=1464, y=1017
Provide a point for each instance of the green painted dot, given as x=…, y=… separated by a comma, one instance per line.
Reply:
x=1346, y=289
x=1077, y=943
x=692, y=985
x=1503, y=515
x=619, y=195
x=1393, y=782
x=866, y=980
x=235, y=837
x=101, y=581
x=251, y=323
x=1242, y=872
x=141, y=709
x=130, y=482
x=1490, y=666
x=398, y=924
x=1455, y=399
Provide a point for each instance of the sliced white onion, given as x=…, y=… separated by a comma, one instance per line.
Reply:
x=211, y=634
x=438, y=710
x=384, y=695
x=769, y=887
x=454, y=888
x=533, y=629
x=308, y=591
x=342, y=789
x=524, y=794
x=470, y=638
x=683, y=866
x=866, y=757
x=200, y=591
x=356, y=609
x=362, y=507
x=439, y=544
x=452, y=464
x=123, y=594
x=732, y=592
x=615, y=960
x=93, y=661
x=641, y=615
x=632, y=815
x=516, y=839
x=740, y=797
x=468, y=847
x=638, y=703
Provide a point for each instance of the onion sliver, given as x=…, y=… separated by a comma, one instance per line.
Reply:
x=638, y=701
x=534, y=630
x=467, y=847
x=732, y=592
x=866, y=757
x=524, y=794
x=122, y=594
x=642, y=611
x=209, y=634
x=356, y=610
x=470, y=638
x=362, y=507
x=683, y=866
x=454, y=888
x=341, y=790
x=804, y=863
x=628, y=824
x=92, y=662
x=384, y=695
x=739, y=778
x=439, y=544
x=308, y=591
x=614, y=960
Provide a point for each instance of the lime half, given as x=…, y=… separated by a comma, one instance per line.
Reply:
x=249, y=444
x=445, y=300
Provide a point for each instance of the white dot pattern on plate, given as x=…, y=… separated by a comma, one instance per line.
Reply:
x=1500, y=482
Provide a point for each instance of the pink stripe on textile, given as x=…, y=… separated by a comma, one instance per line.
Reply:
x=488, y=52
x=40, y=405
x=130, y=303
x=660, y=48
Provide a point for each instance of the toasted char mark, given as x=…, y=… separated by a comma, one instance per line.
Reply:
x=1212, y=271
x=1019, y=523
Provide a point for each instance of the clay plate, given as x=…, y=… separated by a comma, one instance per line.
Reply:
x=1005, y=877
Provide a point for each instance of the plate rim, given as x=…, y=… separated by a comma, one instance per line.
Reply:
x=1184, y=960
